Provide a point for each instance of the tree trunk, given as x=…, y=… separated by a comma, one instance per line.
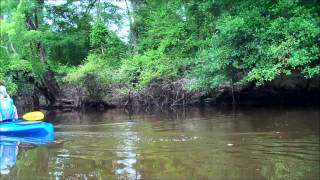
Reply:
x=47, y=85
x=231, y=72
x=232, y=92
x=42, y=54
x=133, y=36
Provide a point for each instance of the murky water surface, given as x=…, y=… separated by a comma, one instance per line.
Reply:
x=194, y=143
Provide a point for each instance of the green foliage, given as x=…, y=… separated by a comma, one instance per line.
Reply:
x=106, y=42
x=61, y=31
x=96, y=74
x=166, y=38
x=99, y=37
x=142, y=70
x=210, y=42
x=259, y=41
x=19, y=58
x=12, y=69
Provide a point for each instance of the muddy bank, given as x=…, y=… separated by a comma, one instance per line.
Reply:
x=294, y=90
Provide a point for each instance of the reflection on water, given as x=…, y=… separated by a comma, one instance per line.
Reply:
x=184, y=144
x=127, y=156
x=8, y=153
x=9, y=149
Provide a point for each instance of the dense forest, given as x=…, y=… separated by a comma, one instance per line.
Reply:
x=169, y=52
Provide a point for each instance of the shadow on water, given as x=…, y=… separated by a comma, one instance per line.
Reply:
x=193, y=143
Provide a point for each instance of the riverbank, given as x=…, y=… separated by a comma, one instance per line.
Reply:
x=293, y=91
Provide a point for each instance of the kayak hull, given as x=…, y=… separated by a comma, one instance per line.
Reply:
x=35, y=140
x=22, y=128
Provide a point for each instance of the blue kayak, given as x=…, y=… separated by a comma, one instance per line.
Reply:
x=26, y=128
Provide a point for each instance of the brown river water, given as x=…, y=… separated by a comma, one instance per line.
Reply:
x=192, y=143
